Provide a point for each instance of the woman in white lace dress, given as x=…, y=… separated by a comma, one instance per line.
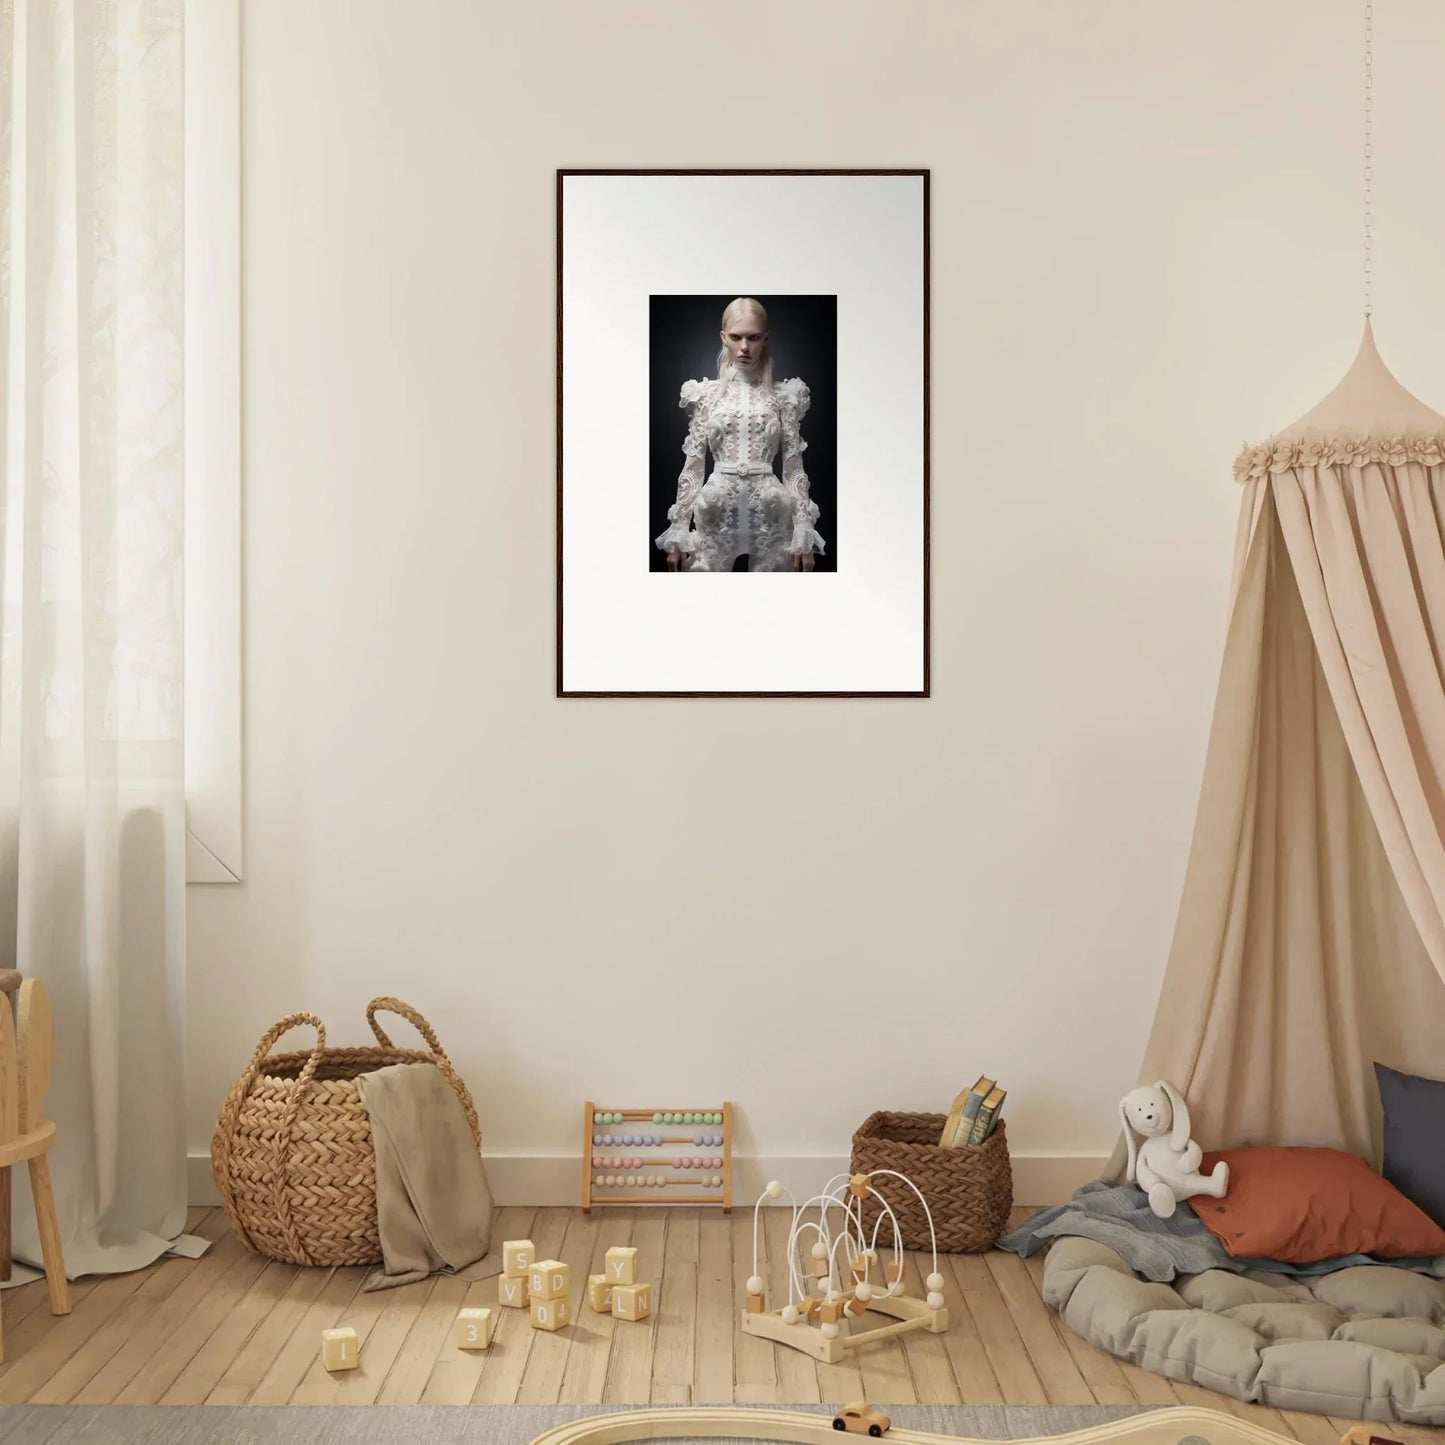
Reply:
x=744, y=418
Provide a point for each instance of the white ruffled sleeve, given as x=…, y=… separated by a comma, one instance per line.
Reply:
x=679, y=535
x=794, y=399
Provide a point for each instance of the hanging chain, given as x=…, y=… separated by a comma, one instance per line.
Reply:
x=1369, y=146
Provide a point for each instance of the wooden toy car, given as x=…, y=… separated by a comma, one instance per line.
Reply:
x=860, y=1418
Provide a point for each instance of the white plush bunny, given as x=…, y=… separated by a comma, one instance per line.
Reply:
x=1166, y=1165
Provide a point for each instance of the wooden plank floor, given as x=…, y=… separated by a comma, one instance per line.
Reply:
x=232, y=1328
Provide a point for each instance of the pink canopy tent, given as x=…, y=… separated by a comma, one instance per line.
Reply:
x=1310, y=940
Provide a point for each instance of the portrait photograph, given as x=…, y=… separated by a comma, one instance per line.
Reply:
x=749, y=399
x=758, y=388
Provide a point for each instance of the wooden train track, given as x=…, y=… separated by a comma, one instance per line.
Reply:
x=1157, y=1427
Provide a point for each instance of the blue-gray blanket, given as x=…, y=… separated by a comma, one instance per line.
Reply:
x=1119, y=1215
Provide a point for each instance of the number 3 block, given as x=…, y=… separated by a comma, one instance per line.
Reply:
x=474, y=1329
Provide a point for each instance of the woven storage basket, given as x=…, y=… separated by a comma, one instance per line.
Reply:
x=292, y=1154
x=969, y=1189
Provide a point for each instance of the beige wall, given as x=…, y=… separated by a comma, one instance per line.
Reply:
x=1146, y=249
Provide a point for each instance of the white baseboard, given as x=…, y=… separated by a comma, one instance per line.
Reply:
x=552, y=1179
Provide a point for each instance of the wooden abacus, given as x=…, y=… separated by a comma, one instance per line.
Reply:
x=610, y=1177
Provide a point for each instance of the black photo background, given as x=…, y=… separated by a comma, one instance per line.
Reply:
x=683, y=346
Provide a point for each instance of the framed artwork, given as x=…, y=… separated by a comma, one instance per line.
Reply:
x=742, y=433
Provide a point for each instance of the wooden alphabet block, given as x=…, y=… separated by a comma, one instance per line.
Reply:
x=512, y=1292
x=756, y=1304
x=518, y=1256
x=631, y=1301
x=474, y=1329
x=548, y=1279
x=550, y=1314
x=599, y=1293
x=621, y=1264
x=340, y=1349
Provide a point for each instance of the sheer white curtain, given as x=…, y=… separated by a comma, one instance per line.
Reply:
x=92, y=804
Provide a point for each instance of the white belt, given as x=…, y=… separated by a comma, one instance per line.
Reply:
x=744, y=469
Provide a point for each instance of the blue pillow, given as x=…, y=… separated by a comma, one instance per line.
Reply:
x=1414, y=1138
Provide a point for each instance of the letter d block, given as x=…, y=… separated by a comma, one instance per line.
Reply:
x=512, y=1293
x=549, y=1314
x=340, y=1349
x=518, y=1256
x=548, y=1279
x=631, y=1301
x=599, y=1293
x=474, y=1329
x=621, y=1264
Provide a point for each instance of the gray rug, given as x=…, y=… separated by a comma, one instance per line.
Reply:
x=455, y=1424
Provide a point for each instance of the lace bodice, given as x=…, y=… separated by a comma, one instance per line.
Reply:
x=745, y=424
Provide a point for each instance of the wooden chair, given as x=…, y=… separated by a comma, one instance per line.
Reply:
x=27, y=1057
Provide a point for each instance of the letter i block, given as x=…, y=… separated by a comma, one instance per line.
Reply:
x=517, y=1257
x=548, y=1279
x=340, y=1349
x=631, y=1301
x=621, y=1263
x=599, y=1293
x=512, y=1292
x=550, y=1314
x=474, y=1329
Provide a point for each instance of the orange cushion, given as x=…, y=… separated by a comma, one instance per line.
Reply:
x=1301, y=1205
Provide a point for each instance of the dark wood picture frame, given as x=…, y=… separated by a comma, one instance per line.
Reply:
x=925, y=175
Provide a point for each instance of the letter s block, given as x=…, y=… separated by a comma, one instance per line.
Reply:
x=340, y=1349
x=517, y=1257
x=621, y=1261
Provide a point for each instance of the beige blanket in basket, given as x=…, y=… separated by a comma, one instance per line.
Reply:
x=433, y=1203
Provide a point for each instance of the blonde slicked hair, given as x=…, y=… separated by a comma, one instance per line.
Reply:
x=737, y=308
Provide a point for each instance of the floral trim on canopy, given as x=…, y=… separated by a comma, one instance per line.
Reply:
x=1283, y=454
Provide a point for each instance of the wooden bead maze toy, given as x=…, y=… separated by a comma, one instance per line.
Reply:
x=818, y=1306
x=623, y=1160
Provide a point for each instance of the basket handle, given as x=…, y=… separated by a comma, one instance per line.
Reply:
x=230, y=1112
x=406, y=1011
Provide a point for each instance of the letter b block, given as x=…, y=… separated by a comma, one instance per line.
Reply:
x=517, y=1257
x=547, y=1279
x=631, y=1301
x=549, y=1314
x=621, y=1265
x=340, y=1349
x=512, y=1292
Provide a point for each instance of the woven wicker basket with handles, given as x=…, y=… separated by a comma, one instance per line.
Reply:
x=969, y=1189
x=292, y=1154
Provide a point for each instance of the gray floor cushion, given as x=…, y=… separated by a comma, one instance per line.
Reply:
x=1366, y=1342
